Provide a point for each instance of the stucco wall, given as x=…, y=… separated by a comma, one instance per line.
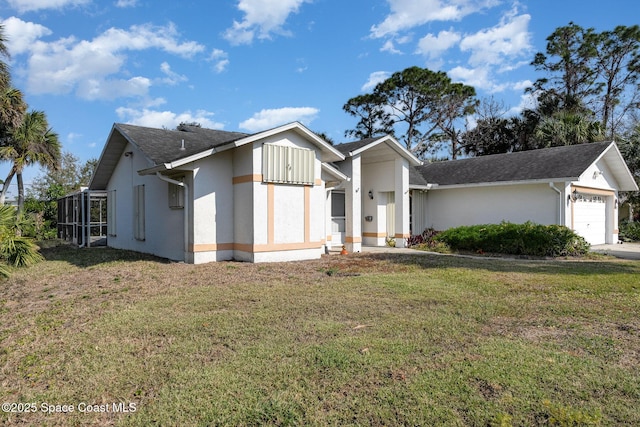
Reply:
x=281, y=222
x=379, y=179
x=163, y=226
x=213, y=213
x=491, y=205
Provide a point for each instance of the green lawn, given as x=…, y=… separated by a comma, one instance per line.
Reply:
x=346, y=340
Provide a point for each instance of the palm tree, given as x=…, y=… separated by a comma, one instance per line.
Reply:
x=15, y=250
x=5, y=76
x=31, y=143
x=567, y=128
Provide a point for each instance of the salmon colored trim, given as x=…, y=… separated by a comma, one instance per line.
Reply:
x=329, y=238
x=402, y=236
x=247, y=178
x=616, y=231
x=351, y=239
x=595, y=191
x=307, y=214
x=208, y=247
x=270, y=213
x=318, y=182
x=377, y=235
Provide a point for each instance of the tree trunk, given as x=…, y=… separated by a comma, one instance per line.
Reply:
x=20, y=193
x=5, y=187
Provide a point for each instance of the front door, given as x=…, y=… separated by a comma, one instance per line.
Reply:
x=391, y=214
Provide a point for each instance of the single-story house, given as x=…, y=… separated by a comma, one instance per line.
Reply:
x=200, y=195
x=576, y=186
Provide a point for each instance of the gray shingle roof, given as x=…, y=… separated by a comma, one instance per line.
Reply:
x=346, y=147
x=547, y=163
x=164, y=146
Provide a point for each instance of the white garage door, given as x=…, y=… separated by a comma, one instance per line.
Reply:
x=589, y=218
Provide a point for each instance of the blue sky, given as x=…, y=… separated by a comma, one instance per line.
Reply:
x=250, y=65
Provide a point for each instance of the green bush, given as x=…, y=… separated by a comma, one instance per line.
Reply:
x=516, y=239
x=630, y=231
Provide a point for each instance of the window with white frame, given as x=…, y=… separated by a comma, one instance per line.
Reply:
x=288, y=165
x=138, y=212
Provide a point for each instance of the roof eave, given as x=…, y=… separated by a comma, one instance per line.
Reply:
x=395, y=145
x=501, y=183
x=334, y=172
x=331, y=153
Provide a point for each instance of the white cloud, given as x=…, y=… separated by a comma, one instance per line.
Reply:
x=509, y=39
x=522, y=85
x=389, y=46
x=528, y=101
x=262, y=18
x=407, y=14
x=21, y=35
x=72, y=136
x=171, y=78
x=30, y=5
x=166, y=119
x=95, y=69
x=93, y=89
x=433, y=46
x=268, y=119
x=375, y=78
x=479, y=78
x=220, y=59
x=126, y=3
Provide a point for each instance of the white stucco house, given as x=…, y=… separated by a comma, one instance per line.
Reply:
x=576, y=186
x=200, y=195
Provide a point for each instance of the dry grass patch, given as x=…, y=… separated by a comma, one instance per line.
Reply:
x=359, y=339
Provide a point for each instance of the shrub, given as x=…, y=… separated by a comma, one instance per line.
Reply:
x=427, y=241
x=516, y=239
x=15, y=249
x=630, y=231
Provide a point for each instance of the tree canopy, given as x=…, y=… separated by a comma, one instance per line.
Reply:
x=421, y=107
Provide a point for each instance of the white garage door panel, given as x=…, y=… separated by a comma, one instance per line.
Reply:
x=590, y=220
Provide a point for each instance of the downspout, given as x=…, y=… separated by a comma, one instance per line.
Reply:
x=186, y=209
x=560, y=201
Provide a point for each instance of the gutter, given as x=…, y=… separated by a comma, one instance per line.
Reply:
x=186, y=209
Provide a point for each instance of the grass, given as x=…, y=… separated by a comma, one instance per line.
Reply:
x=346, y=340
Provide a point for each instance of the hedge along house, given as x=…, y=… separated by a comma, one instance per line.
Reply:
x=200, y=195
x=576, y=186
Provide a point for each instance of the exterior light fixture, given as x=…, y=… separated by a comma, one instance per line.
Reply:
x=371, y=194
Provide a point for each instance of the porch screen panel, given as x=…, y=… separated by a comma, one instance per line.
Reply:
x=111, y=213
x=419, y=212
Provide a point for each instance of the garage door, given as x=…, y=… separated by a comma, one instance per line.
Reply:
x=589, y=218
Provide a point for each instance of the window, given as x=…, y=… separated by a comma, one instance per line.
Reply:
x=138, y=212
x=288, y=165
x=176, y=195
x=111, y=213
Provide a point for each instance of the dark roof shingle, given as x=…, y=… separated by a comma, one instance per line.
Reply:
x=547, y=163
x=164, y=146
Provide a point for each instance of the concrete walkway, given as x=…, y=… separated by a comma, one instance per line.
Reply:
x=624, y=250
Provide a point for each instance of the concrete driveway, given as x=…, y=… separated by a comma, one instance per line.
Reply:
x=624, y=250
